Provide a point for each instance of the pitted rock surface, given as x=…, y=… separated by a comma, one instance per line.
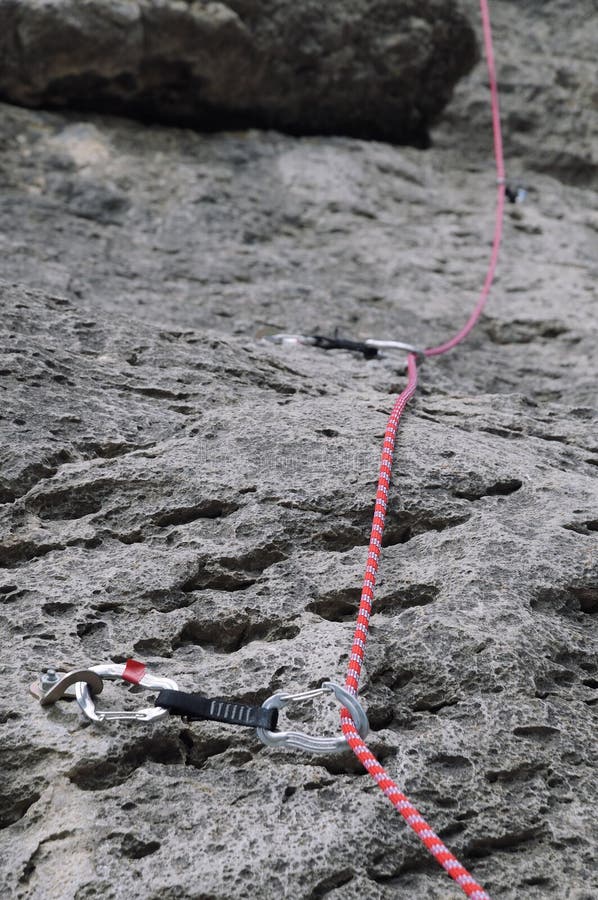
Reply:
x=549, y=101
x=369, y=68
x=177, y=489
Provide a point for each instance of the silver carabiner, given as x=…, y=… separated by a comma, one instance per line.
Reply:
x=86, y=700
x=396, y=345
x=288, y=339
x=298, y=740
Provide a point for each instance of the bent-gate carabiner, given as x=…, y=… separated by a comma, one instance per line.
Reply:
x=297, y=740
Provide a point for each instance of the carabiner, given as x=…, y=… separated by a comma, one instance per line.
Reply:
x=369, y=348
x=283, y=338
x=396, y=345
x=297, y=740
x=86, y=701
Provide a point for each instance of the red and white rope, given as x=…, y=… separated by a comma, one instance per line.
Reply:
x=416, y=822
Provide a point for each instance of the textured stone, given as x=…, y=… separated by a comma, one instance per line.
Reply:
x=176, y=489
x=366, y=68
x=549, y=100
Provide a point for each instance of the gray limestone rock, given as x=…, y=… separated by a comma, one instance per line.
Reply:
x=366, y=68
x=549, y=100
x=175, y=488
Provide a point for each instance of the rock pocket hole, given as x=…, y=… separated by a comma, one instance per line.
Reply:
x=135, y=848
x=336, y=606
x=476, y=490
x=568, y=600
x=331, y=883
x=407, y=597
x=229, y=635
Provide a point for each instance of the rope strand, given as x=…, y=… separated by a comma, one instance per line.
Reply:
x=416, y=822
x=500, y=200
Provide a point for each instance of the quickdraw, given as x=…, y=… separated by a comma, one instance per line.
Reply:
x=87, y=683
x=369, y=348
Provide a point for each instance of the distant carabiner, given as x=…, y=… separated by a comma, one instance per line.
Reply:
x=396, y=345
x=297, y=740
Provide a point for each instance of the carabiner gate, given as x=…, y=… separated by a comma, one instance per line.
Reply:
x=298, y=740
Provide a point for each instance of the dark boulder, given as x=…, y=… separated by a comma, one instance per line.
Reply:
x=370, y=68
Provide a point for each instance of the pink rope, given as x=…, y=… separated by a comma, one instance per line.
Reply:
x=390, y=789
x=500, y=201
x=415, y=821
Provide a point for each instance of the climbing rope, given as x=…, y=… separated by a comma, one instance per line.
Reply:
x=413, y=818
x=415, y=821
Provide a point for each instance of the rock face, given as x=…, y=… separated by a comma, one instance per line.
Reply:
x=371, y=68
x=175, y=489
x=549, y=100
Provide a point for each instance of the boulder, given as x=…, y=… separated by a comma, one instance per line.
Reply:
x=372, y=68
